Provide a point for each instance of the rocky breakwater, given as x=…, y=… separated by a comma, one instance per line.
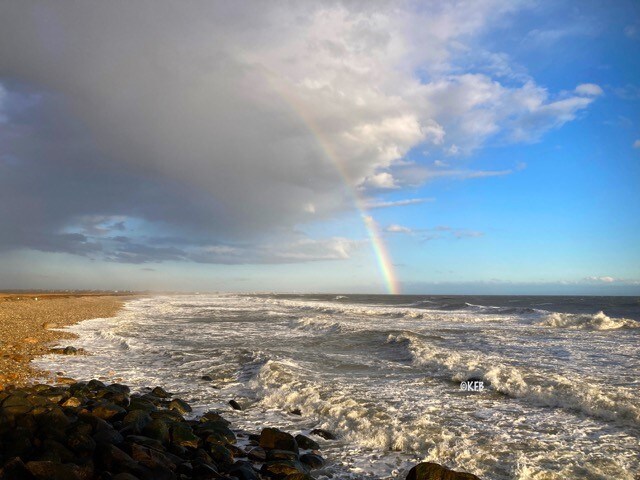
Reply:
x=89, y=430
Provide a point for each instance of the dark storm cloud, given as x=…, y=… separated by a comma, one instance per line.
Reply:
x=208, y=122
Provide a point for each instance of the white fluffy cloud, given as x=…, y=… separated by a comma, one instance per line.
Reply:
x=589, y=89
x=603, y=279
x=247, y=118
x=395, y=228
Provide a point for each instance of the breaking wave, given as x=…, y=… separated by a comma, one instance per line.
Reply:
x=597, y=321
x=526, y=383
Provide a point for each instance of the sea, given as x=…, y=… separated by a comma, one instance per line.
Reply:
x=505, y=387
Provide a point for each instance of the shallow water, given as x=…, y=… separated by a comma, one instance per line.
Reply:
x=560, y=375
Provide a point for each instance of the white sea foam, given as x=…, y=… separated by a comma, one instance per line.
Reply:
x=544, y=388
x=384, y=378
x=597, y=321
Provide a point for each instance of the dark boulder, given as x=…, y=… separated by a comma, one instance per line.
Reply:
x=257, y=454
x=44, y=470
x=136, y=420
x=108, y=436
x=160, y=392
x=306, y=442
x=433, y=471
x=212, y=416
x=139, y=403
x=95, y=385
x=274, y=454
x=16, y=405
x=272, y=438
x=151, y=458
x=54, y=451
x=157, y=429
x=182, y=435
x=15, y=469
x=282, y=468
x=180, y=406
x=125, y=476
x=312, y=460
x=111, y=458
x=146, y=441
x=235, y=405
x=221, y=455
x=109, y=411
x=243, y=471
x=81, y=443
x=326, y=434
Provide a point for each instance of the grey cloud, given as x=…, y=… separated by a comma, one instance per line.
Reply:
x=230, y=123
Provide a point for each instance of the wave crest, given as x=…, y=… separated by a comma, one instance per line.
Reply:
x=597, y=321
x=530, y=384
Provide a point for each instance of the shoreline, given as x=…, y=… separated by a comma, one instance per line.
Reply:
x=61, y=428
x=30, y=323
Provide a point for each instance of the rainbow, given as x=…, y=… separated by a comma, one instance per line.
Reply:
x=379, y=247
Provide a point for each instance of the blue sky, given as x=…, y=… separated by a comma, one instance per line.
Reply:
x=496, y=145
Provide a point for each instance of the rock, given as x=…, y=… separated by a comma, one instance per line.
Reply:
x=215, y=432
x=272, y=438
x=281, y=455
x=17, y=443
x=111, y=458
x=125, y=476
x=182, y=435
x=306, y=442
x=282, y=468
x=109, y=411
x=15, y=469
x=433, y=471
x=295, y=411
x=299, y=476
x=326, y=434
x=212, y=416
x=151, y=458
x=16, y=405
x=157, y=429
x=95, y=385
x=160, y=392
x=243, y=471
x=52, y=471
x=206, y=378
x=203, y=470
x=180, y=406
x=257, y=454
x=235, y=405
x=71, y=402
x=53, y=423
x=54, y=451
x=220, y=455
x=70, y=350
x=81, y=443
x=136, y=420
x=312, y=460
x=146, y=441
x=137, y=403
x=108, y=436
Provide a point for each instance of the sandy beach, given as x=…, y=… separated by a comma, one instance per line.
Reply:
x=29, y=323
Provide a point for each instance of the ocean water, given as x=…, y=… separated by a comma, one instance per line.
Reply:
x=561, y=397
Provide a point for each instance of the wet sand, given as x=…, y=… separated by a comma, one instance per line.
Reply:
x=27, y=323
